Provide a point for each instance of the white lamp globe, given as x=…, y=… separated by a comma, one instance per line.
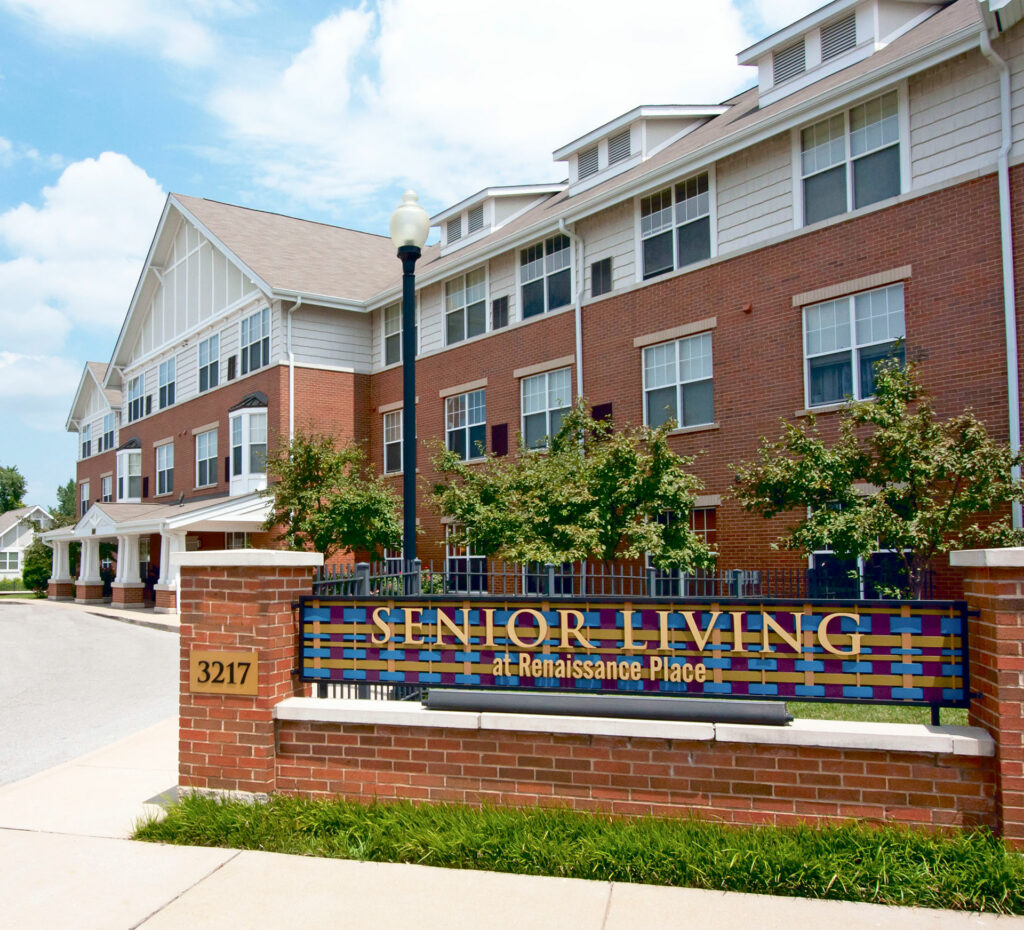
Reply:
x=410, y=224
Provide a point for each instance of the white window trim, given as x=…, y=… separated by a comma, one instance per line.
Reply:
x=220, y=361
x=173, y=383
x=419, y=331
x=122, y=472
x=547, y=411
x=680, y=427
x=903, y=122
x=452, y=551
x=471, y=454
x=243, y=347
x=400, y=411
x=245, y=481
x=158, y=471
x=520, y=283
x=215, y=458
x=486, y=300
x=83, y=498
x=141, y=398
x=638, y=239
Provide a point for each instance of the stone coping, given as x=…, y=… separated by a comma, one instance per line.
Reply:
x=248, y=558
x=831, y=734
x=1012, y=557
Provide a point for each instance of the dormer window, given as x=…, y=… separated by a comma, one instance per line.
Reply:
x=475, y=219
x=619, y=147
x=839, y=36
x=789, y=62
x=587, y=163
x=454, y=229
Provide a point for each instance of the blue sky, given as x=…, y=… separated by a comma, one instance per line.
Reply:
x=316, y=109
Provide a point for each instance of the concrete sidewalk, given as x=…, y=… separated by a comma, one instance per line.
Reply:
x=66, y=864
x=170, y=622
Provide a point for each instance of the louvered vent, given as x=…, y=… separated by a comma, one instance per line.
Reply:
x=618, y=148
x=454, y=229
x=838, y=37
x=588, y=163
x=789, y=62
x=476, y=219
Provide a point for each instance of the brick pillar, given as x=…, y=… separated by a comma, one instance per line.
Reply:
x=994, y=586
x=238, y=600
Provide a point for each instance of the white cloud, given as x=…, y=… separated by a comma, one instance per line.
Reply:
x=163, y=25
x=452, y=96
x=75, y=260
x=37, y=388
x=11, y=153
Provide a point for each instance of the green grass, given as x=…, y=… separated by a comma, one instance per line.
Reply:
x=876, y=713
x=967, y=871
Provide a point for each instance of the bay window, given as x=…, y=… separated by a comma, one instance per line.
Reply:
x=248, y=450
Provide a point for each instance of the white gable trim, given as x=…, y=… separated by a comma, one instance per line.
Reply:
x=71, y=424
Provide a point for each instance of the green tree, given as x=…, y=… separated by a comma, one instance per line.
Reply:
x=328, y=499
x=934, y=485
x=12, y=488
x=36, y=565
x=595, y=493
x=65, y=513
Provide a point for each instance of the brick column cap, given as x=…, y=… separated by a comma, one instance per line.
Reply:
x=248, y=558
x=1011, y=557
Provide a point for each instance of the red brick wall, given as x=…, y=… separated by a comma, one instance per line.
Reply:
x=736, y=783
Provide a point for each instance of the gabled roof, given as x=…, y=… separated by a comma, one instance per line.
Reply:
x=10, y=517
x=94, y=374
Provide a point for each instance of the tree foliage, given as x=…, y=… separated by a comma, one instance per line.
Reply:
x=36, y=565
x=595, y=493
x=12, y=488
x=65, y=513
x=328, y=499
x=932, y=486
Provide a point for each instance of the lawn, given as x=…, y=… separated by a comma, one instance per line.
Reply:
x=968, y=871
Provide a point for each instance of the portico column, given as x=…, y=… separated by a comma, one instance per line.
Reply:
x=61, y=586
x=127, y=590
x=89, y=589
x=166, y=588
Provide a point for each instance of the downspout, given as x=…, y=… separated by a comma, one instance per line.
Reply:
x=1006, y=239
x=577, y=240
x=291, y=372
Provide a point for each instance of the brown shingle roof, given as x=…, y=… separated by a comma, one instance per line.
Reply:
x=99, y=372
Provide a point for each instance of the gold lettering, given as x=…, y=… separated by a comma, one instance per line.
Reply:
x=663, y=629
x=524, y=665
x=488, y=626
x=635, y=670
x=770, y=625
x=548, y=668
x=657, y=665
x=498, y=667
x=588, y=670
x=542, y=627
x=564, y=616
x=627, y=633
x=826, y=642
x=676, y=672
x=694, y=628
x=381, y=625
x=577, y=669
x=737, y=631
x=687, y=671
x=700, y=672
x=461, y=634
x=411, y=613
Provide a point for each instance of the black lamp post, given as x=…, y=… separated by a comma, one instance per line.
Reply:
x=409, y=228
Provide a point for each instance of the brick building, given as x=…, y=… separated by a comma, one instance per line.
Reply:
x=727, y=265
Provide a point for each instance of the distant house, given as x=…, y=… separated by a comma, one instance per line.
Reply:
x=16, y=534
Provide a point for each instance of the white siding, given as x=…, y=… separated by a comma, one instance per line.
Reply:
x=755, y=194
x=431, y=318
x=334, y=337
x=954, y=120
x=611, y=234
x=502, y=277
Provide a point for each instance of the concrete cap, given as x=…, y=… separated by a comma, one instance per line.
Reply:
x=1012, y=557
x=248, y=558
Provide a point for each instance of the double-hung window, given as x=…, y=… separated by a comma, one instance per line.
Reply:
x=209, y=363
x=465, y=427
x=165, y=468
x=678, y=382
x=206, y=459
x=107, y=441
x=844, y=339
x=544, y=275
x=851, y=159
x=129, y=475
x=86, y=437
x=166, y=383
x=546, y=399
x=107, y=488
x=256, y=341
x=670, y=582
x=9, y=561
x=465, y=306
x=392, y=442
x=83, y=489
x=465, y=571
x=136, y=401
x=675, y=226
x=248, y=450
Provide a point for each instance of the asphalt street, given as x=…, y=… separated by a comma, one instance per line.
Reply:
x=71, y=682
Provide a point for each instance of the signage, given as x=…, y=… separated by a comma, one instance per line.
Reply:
x=223, y=672
x=850, y=651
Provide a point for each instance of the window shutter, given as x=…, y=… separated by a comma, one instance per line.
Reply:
x=232, y=366
x=476, y=219
x=619, y=147
x=454, y=229
x=145, y=486
x=838, y=37
x=499, y=439
x=788, y=62
x=499, y=313
x=587, y=163
x=602, y=412
x=149, y=404
x=227, y=467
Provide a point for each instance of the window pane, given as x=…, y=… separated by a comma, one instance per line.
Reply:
x=695, y=358
x=559, y=287
x=698, y=403
x=477, y=441
x=393, y=457
x=660, y=365
x=533, y=298
x=661, y=406
x=457, y=442
x=559, y=388
x=257, y=458
x=822, y=145
x=828, y=326
x=880, y=315
x=656, y=213
x=874, y=124
x=658, y=254
x=694, y=242
x=455, y=327
x=476, y=319
x=825, y=195
x=556, y=419
x=876, y=176
x=392, y=349
x=535, y=430
x=534, y=394
x=831, y=378
x=869, y=358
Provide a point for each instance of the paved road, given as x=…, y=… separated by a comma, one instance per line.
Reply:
x=71, y=682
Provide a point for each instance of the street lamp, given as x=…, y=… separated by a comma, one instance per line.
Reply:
x=409, y=228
